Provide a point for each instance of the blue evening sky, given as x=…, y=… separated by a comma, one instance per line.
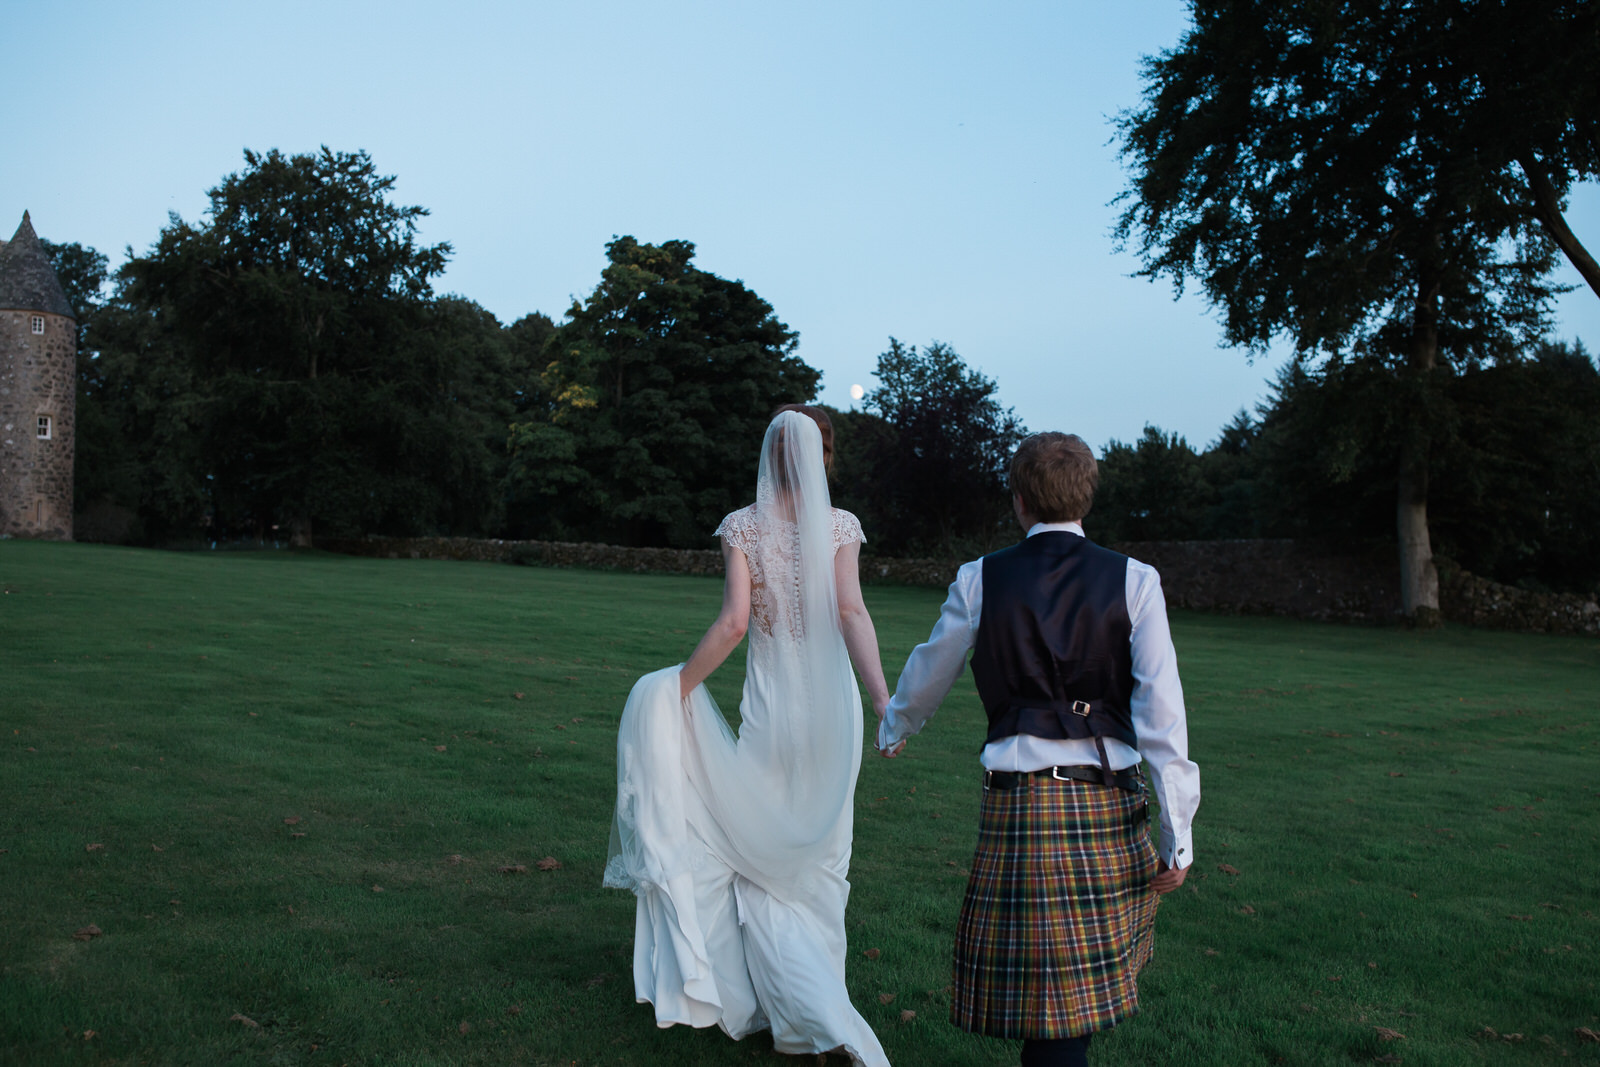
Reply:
x=930, y=170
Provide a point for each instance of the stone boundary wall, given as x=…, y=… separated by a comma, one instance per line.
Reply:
x=1466, y=598
x=1274, y=577
x=1298, y=579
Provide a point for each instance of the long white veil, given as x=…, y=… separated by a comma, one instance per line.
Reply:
x=775, y=802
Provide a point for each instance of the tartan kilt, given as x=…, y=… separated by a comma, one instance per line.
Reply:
x=1059, y=915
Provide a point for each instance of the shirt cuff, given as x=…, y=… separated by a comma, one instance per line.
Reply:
x=1178, y=853
x=883, y=732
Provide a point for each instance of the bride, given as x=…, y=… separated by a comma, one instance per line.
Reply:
x=738, y=847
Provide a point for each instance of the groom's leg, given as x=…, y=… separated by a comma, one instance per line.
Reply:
x=1062, y=1052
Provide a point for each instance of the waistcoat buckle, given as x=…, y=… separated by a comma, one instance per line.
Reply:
x=1080, y=707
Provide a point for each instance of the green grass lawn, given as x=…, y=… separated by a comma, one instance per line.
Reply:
x=284, y=787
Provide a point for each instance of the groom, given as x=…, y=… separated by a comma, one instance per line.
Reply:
x=1075, y=667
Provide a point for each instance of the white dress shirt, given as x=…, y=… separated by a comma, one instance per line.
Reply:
x=1157, y=700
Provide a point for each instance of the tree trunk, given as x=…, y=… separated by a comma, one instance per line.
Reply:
x=1547, y=207
x=1419, y=580
x=300, y=531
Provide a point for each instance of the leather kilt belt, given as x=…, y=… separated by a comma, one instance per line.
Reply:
x=1059, y=915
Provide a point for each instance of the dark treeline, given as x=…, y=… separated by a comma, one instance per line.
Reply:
x=1514, y=469
x=283, y=369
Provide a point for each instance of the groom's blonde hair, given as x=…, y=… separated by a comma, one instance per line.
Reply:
x=1055, y=475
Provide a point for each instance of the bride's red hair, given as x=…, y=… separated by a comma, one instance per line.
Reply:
x=825, y=424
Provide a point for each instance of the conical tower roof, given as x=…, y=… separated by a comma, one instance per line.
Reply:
x=27, y=280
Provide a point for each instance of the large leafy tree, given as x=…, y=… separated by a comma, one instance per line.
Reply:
x=284, y=362
x=1152, y=490
x=1345, y=175
x=642, y=419
x=1516, y=478
x=926, y=462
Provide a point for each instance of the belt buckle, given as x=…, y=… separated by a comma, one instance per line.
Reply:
x=1055, y=772
x=1080, y=707
x=987, y=774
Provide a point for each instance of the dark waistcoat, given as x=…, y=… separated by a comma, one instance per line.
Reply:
x=1052, y=657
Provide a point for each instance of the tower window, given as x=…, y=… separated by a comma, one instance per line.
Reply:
x=44, y=427
x=38, y=324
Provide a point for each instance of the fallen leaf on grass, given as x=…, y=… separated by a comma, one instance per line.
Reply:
x=157, y=848
x=1227, y=868
x=377, y=889
x=1335, y=977
x=300, y=833
x=885, y=998
x=516, y=696
x=515, y=1009
x=96, y=847
x=245, y=1019
x=873, y=953
x=293, y=820
x=1388, y=1057
x=1511, y=1037
x=88, y=1035
x=1387, y=1034
x=464, y=1028
x=1211, y=952
x=906, y=1015
x=1397, y=774
x=1583, y=1033
x=549, y=863
x=597, y=980
x=1521, y=918
x=440, y=748
x=514, y=868
x=87, y=933
x=454, y=860
x=1247, y=910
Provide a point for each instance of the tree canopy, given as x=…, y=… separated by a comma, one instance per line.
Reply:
x=1343, y=174
x=283, y=361
x=643, y=421
x=925, y=464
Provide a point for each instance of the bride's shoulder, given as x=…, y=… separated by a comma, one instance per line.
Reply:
x=846, y=528
x=737, y=526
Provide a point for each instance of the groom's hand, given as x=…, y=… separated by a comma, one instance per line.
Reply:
x=1168, y=878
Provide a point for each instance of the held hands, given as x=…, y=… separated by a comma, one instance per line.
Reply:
x=892, y=751
x=1168, y=878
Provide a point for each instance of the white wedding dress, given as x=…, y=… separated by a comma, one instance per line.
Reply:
x=738, y=847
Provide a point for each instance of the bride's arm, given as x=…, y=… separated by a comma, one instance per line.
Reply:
x=859, y=636
x=725, y=634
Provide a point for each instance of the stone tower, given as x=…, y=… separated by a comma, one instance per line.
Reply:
x=38, y=392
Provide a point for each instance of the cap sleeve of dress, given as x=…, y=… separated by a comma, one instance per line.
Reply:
x=739, y=528
x=846, y=529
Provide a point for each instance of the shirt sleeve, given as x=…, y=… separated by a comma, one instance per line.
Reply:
x=935, y=664
x=1159, y=718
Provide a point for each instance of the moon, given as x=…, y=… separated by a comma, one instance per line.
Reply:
x=856, y=392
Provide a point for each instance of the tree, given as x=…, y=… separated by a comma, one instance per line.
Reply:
x=1152, y=490
x=643, y=422
x=83, y=274
x=930, y=470
x=1337, y=173
x=283, y=362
